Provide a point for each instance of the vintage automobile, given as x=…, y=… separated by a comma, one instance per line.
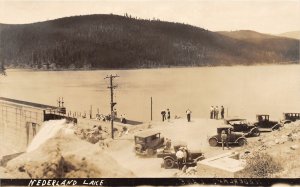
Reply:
x=265, y=125
x=241, y=125
x=147, y=143
x=290, y=117
x=170, y=159
x=233, y=137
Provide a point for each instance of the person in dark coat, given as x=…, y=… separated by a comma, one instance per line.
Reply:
x=168, y=114
x=163, y=115
x=188, y=115
x=211, y=110
x=224, y=138
x=216, y=112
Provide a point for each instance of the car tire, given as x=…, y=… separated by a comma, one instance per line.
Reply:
x=256, y=133
x=241, y=142
x=138, y=148
x=213, y=142
x=169, y=163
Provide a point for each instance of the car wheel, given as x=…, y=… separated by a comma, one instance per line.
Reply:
x=138, y=147
x=241, y=142
x=256, y=133
x=169, y=163
x=213, y=142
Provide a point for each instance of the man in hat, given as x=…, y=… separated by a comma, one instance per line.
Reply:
x=163, y=115
x=179, y=156
x=216, y=112
x=224, y=138
x=211, y=112
x=168, y=115
x=188, y=115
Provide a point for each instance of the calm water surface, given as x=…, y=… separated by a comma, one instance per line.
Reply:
x=244, y=91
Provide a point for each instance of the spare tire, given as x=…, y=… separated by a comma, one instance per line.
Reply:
x=213, y=142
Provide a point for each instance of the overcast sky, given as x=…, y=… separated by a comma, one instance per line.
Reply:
x=267, y=16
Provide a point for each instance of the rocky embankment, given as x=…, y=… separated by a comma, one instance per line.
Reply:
x=283, y=146
x=65, y=156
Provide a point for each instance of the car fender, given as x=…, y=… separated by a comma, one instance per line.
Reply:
x=253, y=129
x=202, y=157
x=276, y=125
x=286, y=121
x=166, y=157
x=236, y=141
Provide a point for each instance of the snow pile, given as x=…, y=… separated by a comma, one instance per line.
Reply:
x=66, y=156
x=49, y=129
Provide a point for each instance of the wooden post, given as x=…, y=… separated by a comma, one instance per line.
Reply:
x=151, y=109
x=91, y=112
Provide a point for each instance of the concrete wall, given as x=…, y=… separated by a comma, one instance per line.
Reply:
x=16, y=130
x=225, y=165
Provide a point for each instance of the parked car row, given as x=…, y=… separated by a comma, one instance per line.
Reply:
x=237, y=130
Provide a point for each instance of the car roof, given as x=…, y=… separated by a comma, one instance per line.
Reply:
x=234, y=119
x=224, y=127
x=144, y=134
x=262, y=114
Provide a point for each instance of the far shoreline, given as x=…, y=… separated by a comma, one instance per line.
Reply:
x=152, y=68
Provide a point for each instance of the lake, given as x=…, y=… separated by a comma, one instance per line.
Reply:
x=243, y=90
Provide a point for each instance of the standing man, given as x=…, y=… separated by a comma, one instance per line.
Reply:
x=216, y=112
x=163, y=115
x=168, y=145
x=224, y=138
x=168, y=115
x=179, y=156
x=211, y=112
x=188, y=115
x=222, y=112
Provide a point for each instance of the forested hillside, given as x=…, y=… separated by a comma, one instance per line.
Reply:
x=110, y=41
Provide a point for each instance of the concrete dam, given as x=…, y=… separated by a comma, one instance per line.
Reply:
x=20, y=121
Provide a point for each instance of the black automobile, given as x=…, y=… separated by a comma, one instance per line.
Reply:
x=147, y=143
x=232, y=137
x=264, y=124
x=290, y=117
x=170, y=159
x=241, y=125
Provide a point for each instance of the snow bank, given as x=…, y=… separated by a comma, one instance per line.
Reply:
x=49, y=129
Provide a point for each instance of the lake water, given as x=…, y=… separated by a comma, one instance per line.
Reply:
x=243, y=90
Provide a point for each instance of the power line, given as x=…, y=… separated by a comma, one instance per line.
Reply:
x=112, y=103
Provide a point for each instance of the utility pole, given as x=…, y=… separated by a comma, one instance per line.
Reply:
x=151, y=108
x=112, y=103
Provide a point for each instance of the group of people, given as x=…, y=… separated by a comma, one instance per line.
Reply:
x=214, y=112
x=109, y=117
x=166, y=114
